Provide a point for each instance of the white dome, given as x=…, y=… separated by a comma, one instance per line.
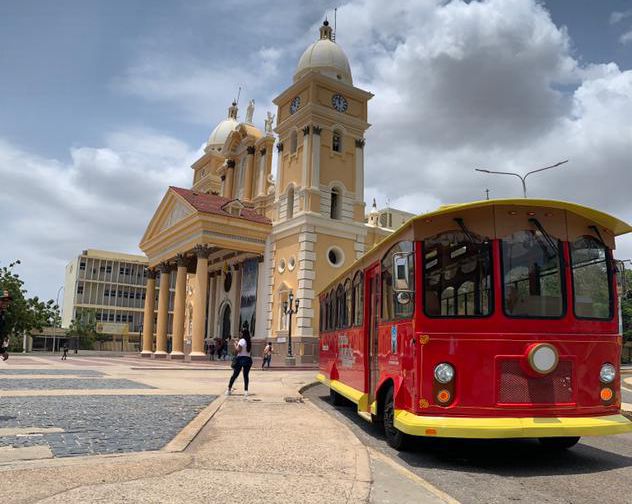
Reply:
x=326, y=57
x=219, y=135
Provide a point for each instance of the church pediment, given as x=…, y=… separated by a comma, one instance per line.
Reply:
x=178, y=212
x=171, y=210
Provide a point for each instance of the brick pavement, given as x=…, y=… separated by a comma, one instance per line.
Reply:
x=69, y=384
x=99, y=424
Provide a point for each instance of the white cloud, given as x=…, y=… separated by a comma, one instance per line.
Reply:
x=626, y=38
x=489, y=84
x=103, y=198
x=618, y=16
x=458, y=85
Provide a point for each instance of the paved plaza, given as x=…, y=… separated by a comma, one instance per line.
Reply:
x=175, y=438
x=90, y=425
x=94, y=429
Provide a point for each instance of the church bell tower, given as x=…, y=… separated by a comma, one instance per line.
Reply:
x=318, y=223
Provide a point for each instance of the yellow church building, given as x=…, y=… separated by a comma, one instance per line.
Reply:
x=239, y=243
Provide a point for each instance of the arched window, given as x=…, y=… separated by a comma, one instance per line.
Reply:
x=457, y=275
x=533, y=277
x=293, y=142
x=335, y=208
x=336, y=141
x=358, y=299
x=393, y=307
x=321, y=318
x=348, y=319
x=290, y=203
x=340, y=307
x=332, y=310
x=592, y=279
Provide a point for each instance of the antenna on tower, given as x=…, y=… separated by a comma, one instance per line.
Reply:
x=238, y=95
x=333, y=37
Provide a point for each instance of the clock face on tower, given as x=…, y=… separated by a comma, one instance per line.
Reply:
x=295, y=104
x=339, y=102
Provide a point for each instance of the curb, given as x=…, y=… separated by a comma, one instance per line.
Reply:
x=184, y=438
x=305, y=388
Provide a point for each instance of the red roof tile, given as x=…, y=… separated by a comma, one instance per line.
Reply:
x=213, y=204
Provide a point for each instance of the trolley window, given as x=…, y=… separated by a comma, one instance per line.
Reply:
x=533, y=285
x=348, y=321
x=395, y=306
x=358, y=299
x=592, y=279
x=457, y=276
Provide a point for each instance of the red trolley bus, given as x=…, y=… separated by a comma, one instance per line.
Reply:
x=492, y=319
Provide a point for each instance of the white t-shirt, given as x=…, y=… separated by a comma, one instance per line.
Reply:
x=244, y=348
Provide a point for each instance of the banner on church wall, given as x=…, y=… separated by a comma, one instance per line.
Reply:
x=248, y=302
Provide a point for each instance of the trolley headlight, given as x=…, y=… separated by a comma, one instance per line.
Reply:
x=543, y=358
x=444, y=372
x=607, y=373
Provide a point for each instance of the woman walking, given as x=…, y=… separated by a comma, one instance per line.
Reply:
x=242, y=360
x=267, y=355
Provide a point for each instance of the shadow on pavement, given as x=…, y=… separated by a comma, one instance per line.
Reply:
x=506, y=457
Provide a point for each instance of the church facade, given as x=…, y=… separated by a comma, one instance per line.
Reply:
x=238, y=244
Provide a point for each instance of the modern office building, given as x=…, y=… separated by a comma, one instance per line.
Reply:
x=111, y=285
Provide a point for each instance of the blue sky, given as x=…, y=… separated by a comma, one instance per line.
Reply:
x=105, y=104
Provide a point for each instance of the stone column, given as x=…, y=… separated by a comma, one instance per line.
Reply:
x=148, y=319
x=280, y=174
x=261, y=179
x=212, y=301
x=236, y=329
x=163, y=311
x=359, y=170
x=316, y=157
x=178, y=309
x=250, y=168
x=230, y=179
x=304, y=181
x=199, y=302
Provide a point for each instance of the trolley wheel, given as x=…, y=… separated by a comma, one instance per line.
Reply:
x=559, y=443
x=394, y=437
x=335, y=398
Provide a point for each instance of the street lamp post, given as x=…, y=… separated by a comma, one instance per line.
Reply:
x=55, y=320
x=290, y=307
x=523, y=178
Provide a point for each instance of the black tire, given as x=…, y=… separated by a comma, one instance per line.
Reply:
x=336, y=398
x=394, y=437
x=559, y=443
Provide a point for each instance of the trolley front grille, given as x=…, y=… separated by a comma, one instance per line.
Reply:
x=517, y=387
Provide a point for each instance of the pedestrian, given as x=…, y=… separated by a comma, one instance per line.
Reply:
x=65, y=354
x=4, y=349
x=211, y=350
x=242, y=360
x=267, y=355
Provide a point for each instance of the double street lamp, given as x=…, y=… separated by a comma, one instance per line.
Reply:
x=290, y=307
x=523, y=178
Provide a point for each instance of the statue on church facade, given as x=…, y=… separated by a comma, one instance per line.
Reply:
x=250, y=111
x=268, y=123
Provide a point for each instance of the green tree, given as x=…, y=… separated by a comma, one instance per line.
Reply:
x=83, y=330
x=23, y=314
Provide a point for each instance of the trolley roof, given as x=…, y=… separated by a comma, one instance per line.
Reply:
x=607, y=221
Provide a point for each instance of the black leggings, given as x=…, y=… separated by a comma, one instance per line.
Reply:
x=244, y=363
